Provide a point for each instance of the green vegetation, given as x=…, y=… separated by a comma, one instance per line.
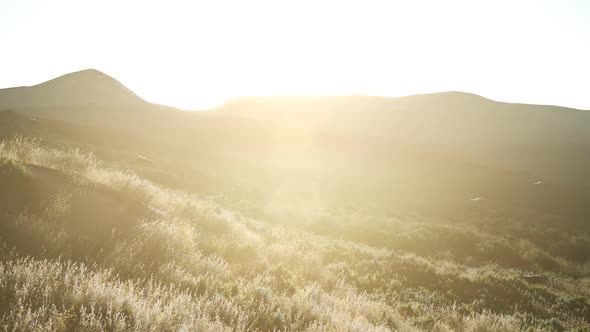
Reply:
x=91, y=248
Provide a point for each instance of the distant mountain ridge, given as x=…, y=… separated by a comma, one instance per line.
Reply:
x=93, y=98
x=444, y=133
x=441, y=118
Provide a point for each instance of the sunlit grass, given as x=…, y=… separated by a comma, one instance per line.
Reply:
x=190, y=264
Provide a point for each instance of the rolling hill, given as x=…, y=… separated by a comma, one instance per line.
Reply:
x=80, y=88
x=439, y=212
x=432, y=149
x=439, y=118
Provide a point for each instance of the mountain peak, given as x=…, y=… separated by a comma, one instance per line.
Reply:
x=86, y=76
x=460, y=96
x=90, y=73
x=89, y=86
x=93, y=86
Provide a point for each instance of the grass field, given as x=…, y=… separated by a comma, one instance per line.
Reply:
x=88, y=247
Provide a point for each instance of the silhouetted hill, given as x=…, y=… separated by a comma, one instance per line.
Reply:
x=534, y=140
x=90, y=97
x=440, y=118
x=79, y=88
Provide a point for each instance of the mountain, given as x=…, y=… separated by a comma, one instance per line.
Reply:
x=439, y=118
x=90, y=98
x=535, y=140
x=79, y=88
x=439, y=212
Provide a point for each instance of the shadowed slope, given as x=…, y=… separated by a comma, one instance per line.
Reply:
x=52, y=201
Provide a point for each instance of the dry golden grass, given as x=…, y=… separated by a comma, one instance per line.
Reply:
x=194, y=265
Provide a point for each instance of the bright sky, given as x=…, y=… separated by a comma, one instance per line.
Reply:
x=194, y=54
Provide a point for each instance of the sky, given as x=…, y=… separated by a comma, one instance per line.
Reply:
x=196, y=54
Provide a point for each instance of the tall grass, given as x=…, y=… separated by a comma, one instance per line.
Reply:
x=189, y=264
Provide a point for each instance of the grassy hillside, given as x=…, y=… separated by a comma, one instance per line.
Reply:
x=442, y=212
x=88, y=247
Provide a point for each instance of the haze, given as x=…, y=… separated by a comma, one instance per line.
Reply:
x=352, y=166
x=196, y=54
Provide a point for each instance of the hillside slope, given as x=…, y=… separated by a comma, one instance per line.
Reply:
x=336, y=171
x=544, y=141
x=311, y=213
x=86, y=253
x=84, y=87
x=441, y=118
